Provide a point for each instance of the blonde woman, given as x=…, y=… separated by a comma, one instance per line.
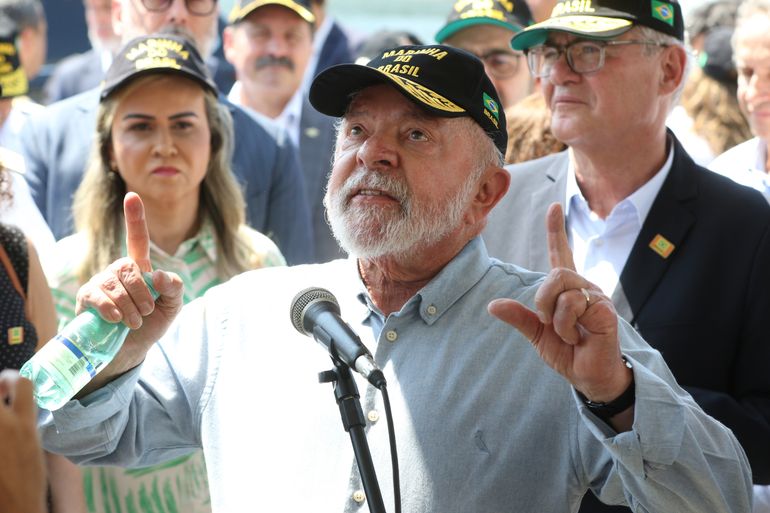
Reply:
x=160, y=133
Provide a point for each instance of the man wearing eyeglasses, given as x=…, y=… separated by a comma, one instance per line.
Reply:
x=486, y=31
x=56, y=143
x=682, y=252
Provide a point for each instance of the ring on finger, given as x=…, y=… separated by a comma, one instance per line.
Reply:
x=587, y=296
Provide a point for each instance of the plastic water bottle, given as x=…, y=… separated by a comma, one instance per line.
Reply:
x=73, y=357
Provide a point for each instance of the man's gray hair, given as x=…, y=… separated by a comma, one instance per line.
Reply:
x=650, y=34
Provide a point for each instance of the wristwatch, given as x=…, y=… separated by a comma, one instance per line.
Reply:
x=606, y=411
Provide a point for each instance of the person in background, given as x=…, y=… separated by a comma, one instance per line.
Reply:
x=15, y=109
x=32, y=32
x=270, y=44
x=160, y=133
x=332, y=44
x=22, y=475
x=485, y=29
x=649, y=226
x=748, y=163
x=708, y=120
x=706, y=16
x=56, y=143
x=81, y=72
x=489, y=416
x=27, y=321
x=529, y=131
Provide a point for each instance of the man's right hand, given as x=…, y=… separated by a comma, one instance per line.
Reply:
x=119, y=293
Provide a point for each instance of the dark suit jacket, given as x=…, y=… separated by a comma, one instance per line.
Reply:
x=336, y=49
x=56, y=146
x=316, y=147
x=74, y=75
x=705, y=307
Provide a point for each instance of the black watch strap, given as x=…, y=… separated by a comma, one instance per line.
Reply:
x=606, y=411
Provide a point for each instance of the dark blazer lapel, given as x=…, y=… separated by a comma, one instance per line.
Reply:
x=315, y=150
x=669, y=217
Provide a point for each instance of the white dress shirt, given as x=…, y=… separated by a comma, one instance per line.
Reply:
x=745, y=164
x=601, y=247
x=289, y=118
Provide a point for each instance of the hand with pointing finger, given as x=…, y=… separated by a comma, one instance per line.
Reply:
x=575, y=328
x=119, y=294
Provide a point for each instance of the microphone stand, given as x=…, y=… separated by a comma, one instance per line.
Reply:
x=347, y=397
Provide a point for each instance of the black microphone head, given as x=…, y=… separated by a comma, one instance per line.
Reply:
x=307, y=298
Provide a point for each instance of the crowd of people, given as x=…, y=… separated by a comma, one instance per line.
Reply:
x=550, y=226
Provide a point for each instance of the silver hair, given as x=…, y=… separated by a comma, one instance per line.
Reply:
x=650, y=34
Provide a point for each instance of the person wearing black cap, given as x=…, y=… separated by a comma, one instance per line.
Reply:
x=161, y=134
x=675, y=246
x=56, y=142
x=483, y=423
x=485, y=29
x=708, y=121
x=748, y=163
x=269, y=43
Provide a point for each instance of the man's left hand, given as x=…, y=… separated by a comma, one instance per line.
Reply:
x=575, y=328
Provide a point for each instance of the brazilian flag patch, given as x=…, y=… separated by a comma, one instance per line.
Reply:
x=663, y=11
x=16, y=335
x=491, y=106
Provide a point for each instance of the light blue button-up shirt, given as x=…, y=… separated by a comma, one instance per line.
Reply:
x=482, y=424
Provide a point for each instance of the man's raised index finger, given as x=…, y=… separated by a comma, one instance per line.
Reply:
x=559, y=251
x=137, y=235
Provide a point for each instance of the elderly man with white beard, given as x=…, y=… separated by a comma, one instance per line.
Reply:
x=521, y=415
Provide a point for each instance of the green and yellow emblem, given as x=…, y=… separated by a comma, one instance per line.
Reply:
x=661, y=245
x=663, y=11
x=491, y=106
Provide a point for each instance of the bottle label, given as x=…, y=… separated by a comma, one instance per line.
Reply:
x=69, y=361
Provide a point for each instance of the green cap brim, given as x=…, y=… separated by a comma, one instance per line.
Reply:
x=596, y=27
x=457, y=25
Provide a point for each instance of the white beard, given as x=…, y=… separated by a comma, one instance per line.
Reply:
x=372, y=232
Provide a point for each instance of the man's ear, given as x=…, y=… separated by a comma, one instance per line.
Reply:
x=227, y=43
x=117, y=17
x=674, y=63
x=490, y=190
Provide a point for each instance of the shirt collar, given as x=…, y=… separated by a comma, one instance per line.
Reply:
x=204, y=239
x=446, y=288
x=642, y=198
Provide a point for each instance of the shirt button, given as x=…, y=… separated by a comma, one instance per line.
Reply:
x=431, y=310
x=373, y=416
x=599, y=242
x=359, y=496
x=391, y=335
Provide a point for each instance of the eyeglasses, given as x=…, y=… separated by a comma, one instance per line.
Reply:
x=194, y=7
x=582, y=56
x=500, y=63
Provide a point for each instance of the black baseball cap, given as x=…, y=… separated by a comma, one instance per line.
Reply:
x=511, y=14
x=243, y=8
x=158, y=53
x=445, y=81
x=716, y=59
x=604, y=19
x=13, y=79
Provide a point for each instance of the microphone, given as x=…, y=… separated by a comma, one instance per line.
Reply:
x=316, y=313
